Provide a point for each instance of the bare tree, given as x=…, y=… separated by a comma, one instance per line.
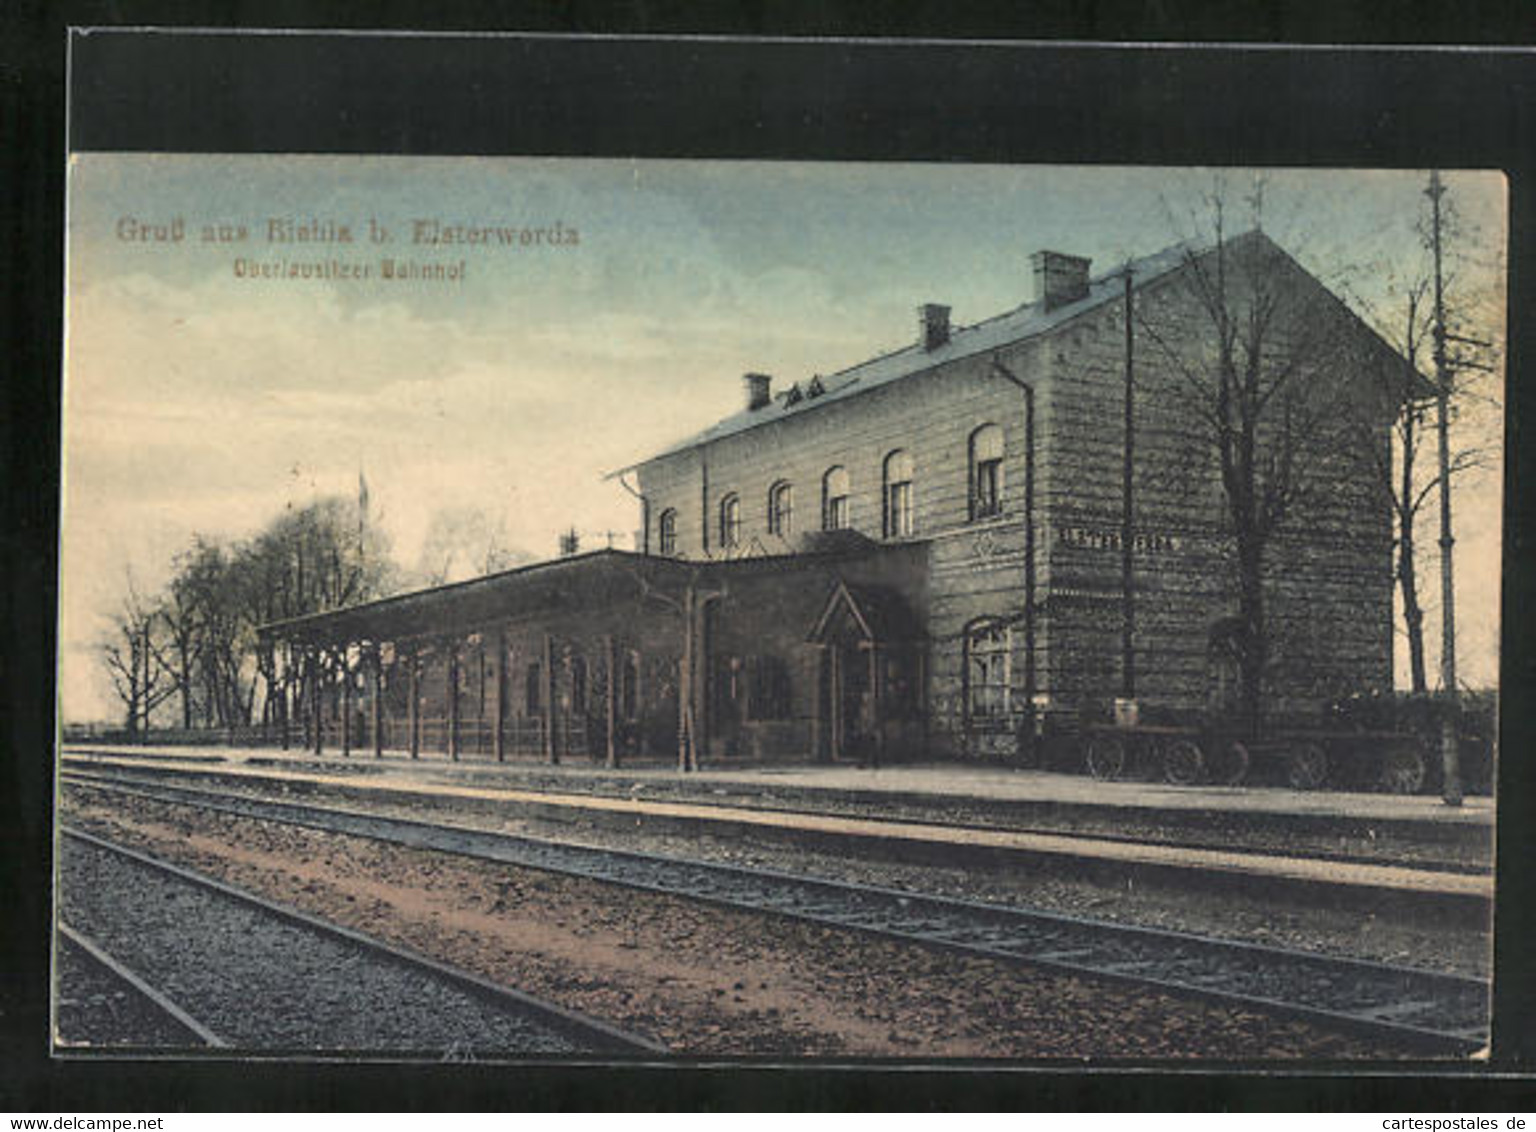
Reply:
x=465, y=542
x=128, y=654
x=183, y=641
x=1259, y=372
x=1406, y=481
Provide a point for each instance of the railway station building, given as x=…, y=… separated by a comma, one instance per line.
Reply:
x=924, y=553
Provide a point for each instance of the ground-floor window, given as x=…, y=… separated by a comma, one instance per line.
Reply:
x=988, y=647
x=629, y=686
x=533, y=690
x=901, y=693
x=767, y=687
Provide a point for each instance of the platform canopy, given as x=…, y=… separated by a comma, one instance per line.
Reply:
x=601, y=578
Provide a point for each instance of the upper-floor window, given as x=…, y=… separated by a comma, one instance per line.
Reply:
x=781, y=509
x=986, y=460
x=668, y=528
x=834, y=499
x=730, y=521
x=898, y=494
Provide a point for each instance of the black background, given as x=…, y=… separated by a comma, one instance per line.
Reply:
x=727, y=97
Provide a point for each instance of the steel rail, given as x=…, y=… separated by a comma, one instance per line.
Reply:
x=162, y=1002
x=1435, y=1012
x=601, y=1036
x=88, y=766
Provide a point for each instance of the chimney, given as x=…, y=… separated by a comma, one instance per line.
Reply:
x=759, y=391
x=932, y=325
x=1059, y=279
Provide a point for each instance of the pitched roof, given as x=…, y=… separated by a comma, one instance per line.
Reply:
x=1026, y=321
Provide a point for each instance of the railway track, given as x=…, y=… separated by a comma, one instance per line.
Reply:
x=103, y=1003
x=240, y=972
x=1440, y=1014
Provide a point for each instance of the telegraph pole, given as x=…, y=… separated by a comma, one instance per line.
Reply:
x=1127, y=517
x=1450, y=756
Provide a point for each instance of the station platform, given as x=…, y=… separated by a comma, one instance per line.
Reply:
x=938, y=782
x=1403, y=855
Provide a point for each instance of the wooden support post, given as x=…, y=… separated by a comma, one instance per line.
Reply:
x=452, y=679
x=316, y=712
x=612, y=752
x=284, y=693
x=346, y=701
x=413, y=709
x=835, y=702
x=551, y=753
x=378, y=702
x=305, y=686
x=819, y=711
x=685, y=716
x=876, y=730
x=499, y=687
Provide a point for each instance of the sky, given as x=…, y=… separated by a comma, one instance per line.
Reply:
x=201, y=396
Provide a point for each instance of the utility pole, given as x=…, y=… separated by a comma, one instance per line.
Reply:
x=1450, y=756
x=1127, y=518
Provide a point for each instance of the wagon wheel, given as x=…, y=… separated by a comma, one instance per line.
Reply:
x=1183, y=763
x=1105, y=757
x=1403, y=769
x=1307, y=766
x=1234, y=764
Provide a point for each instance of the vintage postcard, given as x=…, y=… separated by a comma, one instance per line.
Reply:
x=593, y=608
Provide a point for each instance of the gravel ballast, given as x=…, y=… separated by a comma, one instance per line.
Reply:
x=95, y=1008
x=262, y=983
x=708, y=981
x=1344, y=929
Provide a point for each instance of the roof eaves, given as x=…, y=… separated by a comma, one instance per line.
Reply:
x=469, y=585
x=1033, y=322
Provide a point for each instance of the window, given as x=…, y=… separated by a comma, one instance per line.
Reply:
x=986, y=472
x=987, y=650
x=781, y=509
x=578, y=685
x=668, y=526
x=730, y=521
x=898, y=494
x=533, y=690
x=767, y=687
x=629, y=686
x=834, y=499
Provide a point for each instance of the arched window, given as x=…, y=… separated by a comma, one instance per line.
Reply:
x=898, y=494
x=781, y=509
x=834, y=499
x=730, y=521
x=668, y=529
x=988, y=648
x=986, y=460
